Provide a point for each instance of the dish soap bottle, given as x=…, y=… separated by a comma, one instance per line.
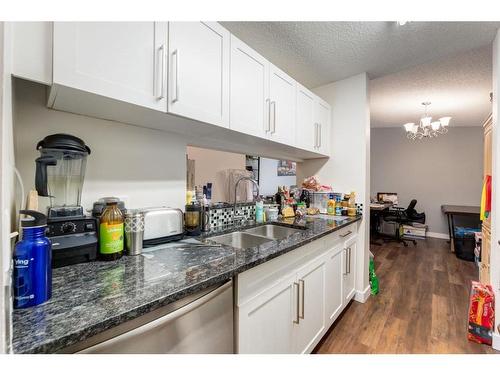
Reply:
x=259, y=211
x=111, y=232
x=330, y=205
x=32, y=262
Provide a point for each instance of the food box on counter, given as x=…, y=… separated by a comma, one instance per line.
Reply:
x=481, y=313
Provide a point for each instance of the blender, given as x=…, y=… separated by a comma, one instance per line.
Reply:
x=60, y=171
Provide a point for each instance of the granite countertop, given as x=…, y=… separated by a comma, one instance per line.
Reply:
x=92, y=297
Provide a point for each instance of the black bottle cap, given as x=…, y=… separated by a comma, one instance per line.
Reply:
x=37, y=219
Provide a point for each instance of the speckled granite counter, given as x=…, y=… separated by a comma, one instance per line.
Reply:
x=93, y=297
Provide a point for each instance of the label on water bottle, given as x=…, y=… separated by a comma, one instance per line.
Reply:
x=110, y=238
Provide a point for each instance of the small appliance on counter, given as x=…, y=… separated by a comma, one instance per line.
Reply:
x=162, y=225
x=193, y=219
x=60, y=171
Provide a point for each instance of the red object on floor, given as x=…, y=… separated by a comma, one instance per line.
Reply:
x=481, y=313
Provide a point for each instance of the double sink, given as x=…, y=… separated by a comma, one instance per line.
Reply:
x=255, y=236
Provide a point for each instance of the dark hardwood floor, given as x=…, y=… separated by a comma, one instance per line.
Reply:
x=421, y=308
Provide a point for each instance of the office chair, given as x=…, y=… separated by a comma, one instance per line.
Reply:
x=401, y=216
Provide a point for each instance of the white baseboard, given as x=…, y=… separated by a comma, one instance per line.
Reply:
x=496, y=341
x=443, y=236
x=362, y=296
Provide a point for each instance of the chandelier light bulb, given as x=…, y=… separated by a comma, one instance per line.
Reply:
x=445, y=120
x=435, y=125
x=426, y=121
x=409, y=126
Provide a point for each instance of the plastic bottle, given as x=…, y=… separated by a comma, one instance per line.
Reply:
x=259, y=210
x=32, y=262
x=330, y=205
x=111, y=232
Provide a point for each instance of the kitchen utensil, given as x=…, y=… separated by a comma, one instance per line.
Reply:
x=134, y=232
x=161, y=225
x=59, y=175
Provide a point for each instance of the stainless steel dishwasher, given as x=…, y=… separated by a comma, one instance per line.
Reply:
x=200, y=323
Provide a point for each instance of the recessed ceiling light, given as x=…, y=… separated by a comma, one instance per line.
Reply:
x=402, y=23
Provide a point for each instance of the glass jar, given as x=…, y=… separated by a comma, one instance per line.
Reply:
x=111, y=232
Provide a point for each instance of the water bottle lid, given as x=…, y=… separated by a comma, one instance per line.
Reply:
x=37, y=219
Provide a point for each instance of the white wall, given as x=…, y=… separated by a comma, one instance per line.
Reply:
x=145, y=167
x=495, y=200
x=348, y=168
x=208, y=163
x=269, y=179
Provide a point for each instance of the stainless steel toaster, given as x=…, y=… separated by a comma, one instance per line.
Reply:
x=162, y=224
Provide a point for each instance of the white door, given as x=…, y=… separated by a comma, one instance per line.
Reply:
x=311, y=280
x=249, y=92
x=199, y=71
x=265, y=323
x=119, y=60
x=349, y=267
x=333, y=284
x=282, y=107
x=305, y=128
x=322, y=119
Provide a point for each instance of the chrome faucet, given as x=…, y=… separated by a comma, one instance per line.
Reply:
x=241, y=217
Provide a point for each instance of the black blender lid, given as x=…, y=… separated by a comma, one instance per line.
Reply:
x=36, y=219
x=63, y=142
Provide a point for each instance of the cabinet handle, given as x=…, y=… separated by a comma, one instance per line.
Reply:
x=320, y=136
x=176, y=75
x=346, y=234
x=315, y=135
x=302, y=286
x=349, y=260
x=345, y=267
x=268, y=109
x=297, y=307
x=273, y=103
x=161, y=94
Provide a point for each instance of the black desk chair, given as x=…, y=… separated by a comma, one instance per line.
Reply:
x=400, y=216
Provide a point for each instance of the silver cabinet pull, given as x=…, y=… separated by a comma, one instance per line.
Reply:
x=273, y=103
x=320, y=135
x=345, y=266
x=302, y=287
x=297, y=307
x=161, y=94
x=176, y=75
x=349, y=260
x=268, y=109
x=315, y=135
x=346, y=234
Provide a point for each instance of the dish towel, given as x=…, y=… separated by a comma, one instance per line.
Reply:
x=486, y=198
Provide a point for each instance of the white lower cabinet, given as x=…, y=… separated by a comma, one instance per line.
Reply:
x=311, y=316
x=266, y=322
x=349, y=267
x=333, y=283
x=289, y=303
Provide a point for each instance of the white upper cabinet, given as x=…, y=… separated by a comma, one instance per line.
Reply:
x=249, y=90
x=119, y=60
x=306, y=131
x=282, y=106
x=322, y=116
x=199, y=71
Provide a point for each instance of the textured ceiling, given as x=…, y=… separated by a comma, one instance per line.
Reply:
x=457, y=86
x=316, y=53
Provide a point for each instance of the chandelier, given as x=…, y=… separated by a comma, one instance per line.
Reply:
x=427, y=128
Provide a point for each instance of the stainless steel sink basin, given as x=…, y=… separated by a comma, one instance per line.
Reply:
x=275, y=232
x=240, y=240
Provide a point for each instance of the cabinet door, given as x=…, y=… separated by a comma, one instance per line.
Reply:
x=249, y=92
x=322, y=119
x=119, y=60
x=311, y=280
x=333, y=284
x=199, y=71
x=306, y=136
x=265, y=323
x=282, y=107
x=349, y=268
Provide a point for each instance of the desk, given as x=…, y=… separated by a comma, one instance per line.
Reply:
x=375, y=214
x=451, y=211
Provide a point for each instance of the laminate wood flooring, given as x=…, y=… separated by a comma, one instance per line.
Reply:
x=421, y=307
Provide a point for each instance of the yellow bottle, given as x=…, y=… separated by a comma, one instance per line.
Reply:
x=330, y=206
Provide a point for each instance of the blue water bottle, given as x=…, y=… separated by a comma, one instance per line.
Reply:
x=32, y=262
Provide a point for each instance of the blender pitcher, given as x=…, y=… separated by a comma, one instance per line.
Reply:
x=60, y=171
